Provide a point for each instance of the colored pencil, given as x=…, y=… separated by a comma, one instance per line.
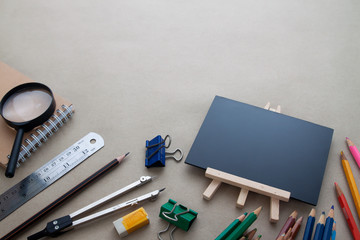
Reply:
x=329, y=224
x=347, y=213
x=250, y=219
x=231, y=227
x=309, y=225
x=288, y=224
x=319, y=230
x=354, y=151
x=333, y=235
x=281, y=237
x=288, y=234
x=101, y=172
x=296, y=228
x=250, y=235
x=258, y=237
x=351, y=182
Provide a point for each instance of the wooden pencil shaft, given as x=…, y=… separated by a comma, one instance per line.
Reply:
x=347, y=213
x=62, y=199
x=309, y=228
x=288, y=234
x=328, y=228
x=296, y=228
x=231, y=227
x=319, y=230
x=288, y=224
x=352, y=184
x=354, y=151
x=228, y=230
x=250, y=234
x=236, y=234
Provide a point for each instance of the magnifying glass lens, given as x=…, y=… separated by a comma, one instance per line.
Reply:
x=23, y=108
x=26, y=105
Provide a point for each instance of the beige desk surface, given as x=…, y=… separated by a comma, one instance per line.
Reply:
x=136, y=69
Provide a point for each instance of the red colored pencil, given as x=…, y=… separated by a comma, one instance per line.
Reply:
x=347, y=213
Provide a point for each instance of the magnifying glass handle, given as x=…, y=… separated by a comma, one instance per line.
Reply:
x=11, y=166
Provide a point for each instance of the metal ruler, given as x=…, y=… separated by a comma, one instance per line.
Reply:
x=49, y=173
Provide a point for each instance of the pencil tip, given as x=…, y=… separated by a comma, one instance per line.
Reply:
x=332, y=207
x=258, y=210
x=335, y=183
x=347, y=138
x=120, y=158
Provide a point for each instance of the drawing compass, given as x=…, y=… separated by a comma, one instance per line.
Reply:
x=63, y=224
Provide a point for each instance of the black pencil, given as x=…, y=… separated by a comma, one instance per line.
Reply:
x=111, y=165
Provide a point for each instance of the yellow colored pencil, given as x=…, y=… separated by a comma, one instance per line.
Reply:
x=351, y=182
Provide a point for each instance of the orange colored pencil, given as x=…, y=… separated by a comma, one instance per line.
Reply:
x=351, y=181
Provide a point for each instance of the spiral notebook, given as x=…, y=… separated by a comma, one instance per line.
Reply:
x=32, y=140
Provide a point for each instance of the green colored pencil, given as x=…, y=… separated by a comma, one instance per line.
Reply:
x=258, y=237
x=239, y=231
x=231, y=227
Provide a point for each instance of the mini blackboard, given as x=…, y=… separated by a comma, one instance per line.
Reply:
x=263, y=146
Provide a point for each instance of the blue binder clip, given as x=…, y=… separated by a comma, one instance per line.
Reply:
x=156, y=154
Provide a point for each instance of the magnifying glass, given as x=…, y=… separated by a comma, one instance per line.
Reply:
x=23, y=108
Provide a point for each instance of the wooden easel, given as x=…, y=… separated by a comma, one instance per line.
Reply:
x=276, y=195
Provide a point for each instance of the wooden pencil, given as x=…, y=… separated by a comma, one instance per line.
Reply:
x=329, y=225
x=288, y=224
x=231, y=227
x=239, y=231
x=288, y=234
x=296, y=228
x=309, y=225
x=347, y=213
x=258, y=237
x=250, y=235
x=66, y=196
x=351, y=182
x=354, y=151
x=281, y=237
x=333, y=235
x=319, y=230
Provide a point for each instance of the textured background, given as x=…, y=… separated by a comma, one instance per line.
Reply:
x=136, y=69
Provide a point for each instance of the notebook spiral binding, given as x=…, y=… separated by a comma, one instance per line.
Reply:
x=44, y=131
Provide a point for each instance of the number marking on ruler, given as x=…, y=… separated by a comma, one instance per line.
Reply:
x=57, y=167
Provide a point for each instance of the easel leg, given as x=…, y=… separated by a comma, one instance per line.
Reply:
x=211, y=189
x=274, y=209
x=242, y=198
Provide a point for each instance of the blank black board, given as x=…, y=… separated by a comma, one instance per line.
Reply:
x=263, y=146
